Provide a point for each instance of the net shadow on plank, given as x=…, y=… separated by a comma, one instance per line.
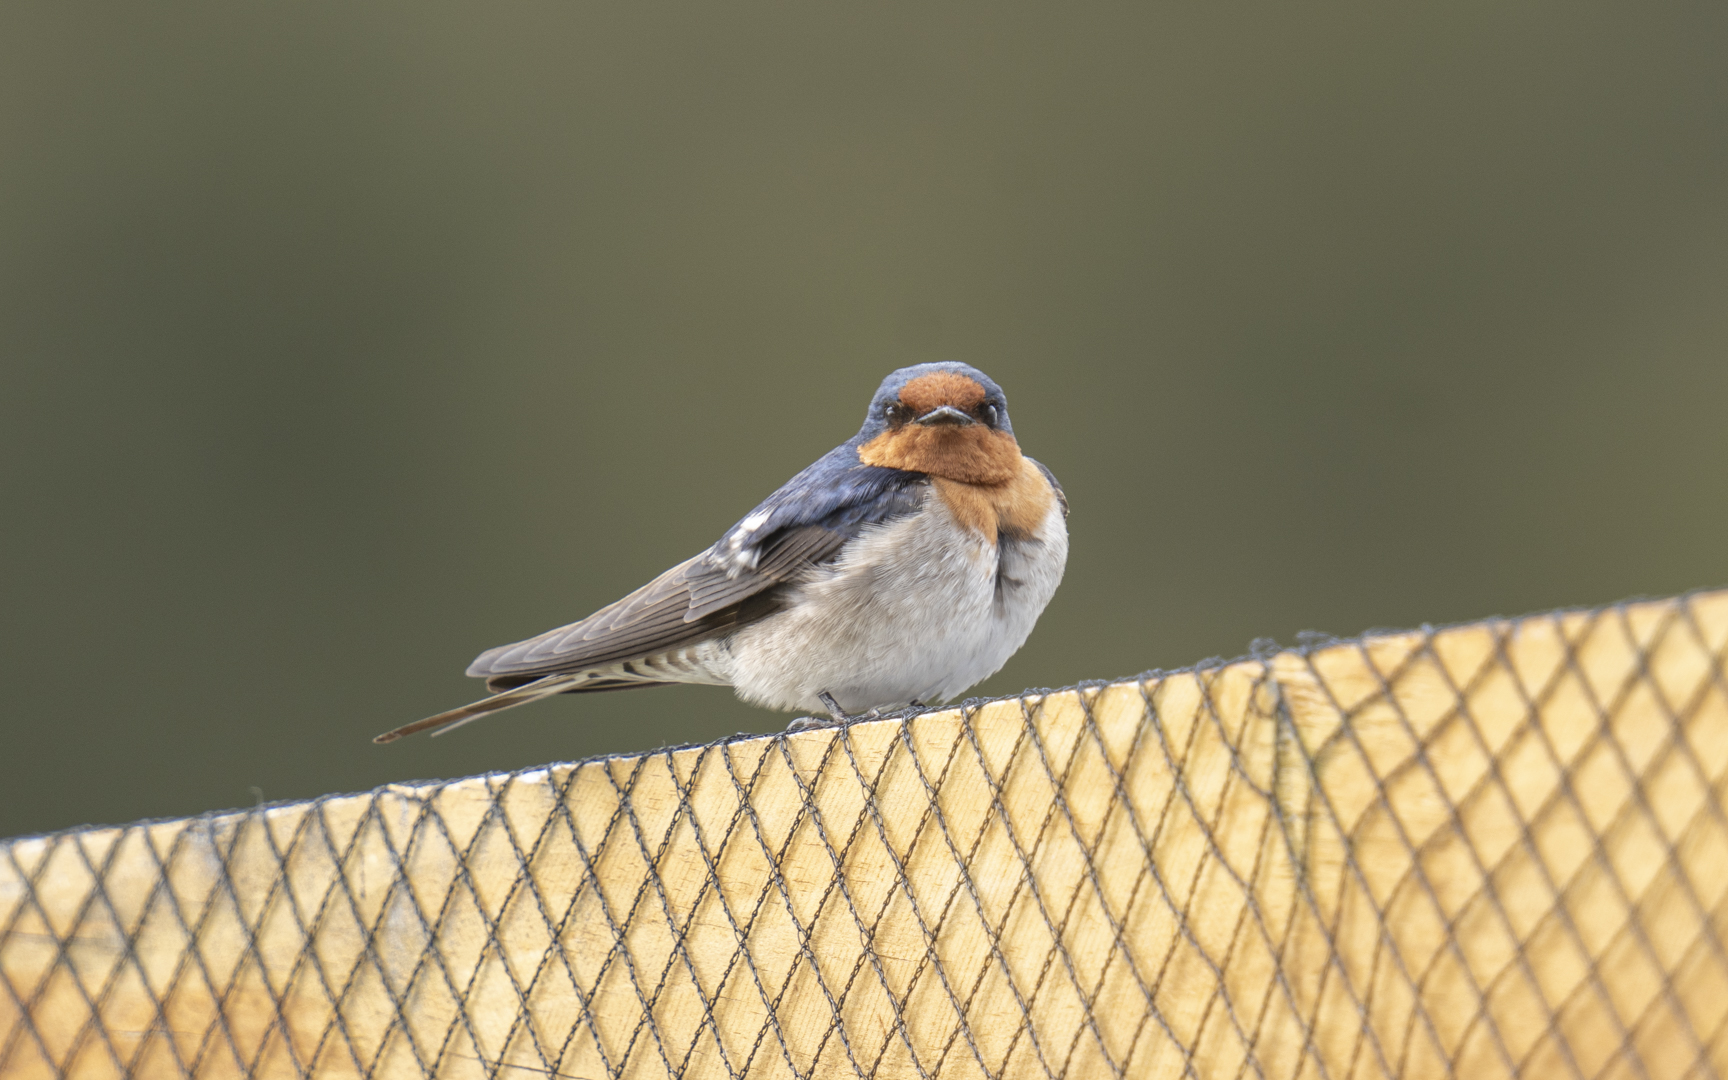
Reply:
x=1493, y=849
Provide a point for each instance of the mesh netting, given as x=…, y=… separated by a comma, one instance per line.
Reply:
x=1490, y=850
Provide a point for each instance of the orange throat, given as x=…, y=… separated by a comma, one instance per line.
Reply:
x=971, y=455
x=978, y=474
x=1013, y=510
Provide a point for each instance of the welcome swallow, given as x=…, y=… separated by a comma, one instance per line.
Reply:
x=904, y=566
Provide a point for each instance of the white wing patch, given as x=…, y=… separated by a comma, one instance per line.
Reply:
x=738, y=559
x=753, y=522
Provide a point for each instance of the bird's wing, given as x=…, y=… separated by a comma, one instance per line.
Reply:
x=733, y=583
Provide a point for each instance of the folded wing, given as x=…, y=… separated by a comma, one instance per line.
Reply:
x=739, y=580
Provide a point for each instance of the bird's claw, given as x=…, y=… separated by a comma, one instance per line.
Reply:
x=837, y=715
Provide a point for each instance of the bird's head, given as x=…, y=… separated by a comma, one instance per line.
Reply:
x=945, y=419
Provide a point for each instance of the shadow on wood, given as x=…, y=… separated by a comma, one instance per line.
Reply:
x=1490, y=850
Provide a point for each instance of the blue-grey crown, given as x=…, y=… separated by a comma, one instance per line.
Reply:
x=876, y=421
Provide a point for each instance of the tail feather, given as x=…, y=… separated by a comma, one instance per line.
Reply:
x=449, y=721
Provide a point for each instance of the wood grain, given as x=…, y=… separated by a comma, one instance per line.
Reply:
x=1489, y=850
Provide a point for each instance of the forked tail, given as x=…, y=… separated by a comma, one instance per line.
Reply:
x=509, y=699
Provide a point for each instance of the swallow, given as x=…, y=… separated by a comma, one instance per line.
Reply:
x=901, y=568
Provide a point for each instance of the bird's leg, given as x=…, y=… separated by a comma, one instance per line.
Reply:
x=836, y=715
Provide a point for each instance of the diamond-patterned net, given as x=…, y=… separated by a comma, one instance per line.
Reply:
x=1489, y=850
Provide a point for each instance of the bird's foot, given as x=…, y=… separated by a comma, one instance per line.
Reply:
x=837, y=715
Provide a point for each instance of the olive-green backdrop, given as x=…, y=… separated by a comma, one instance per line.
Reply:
x=339, y=341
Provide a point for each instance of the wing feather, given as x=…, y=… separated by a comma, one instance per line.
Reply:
x=649, y=620
x=742, y=578
x=713, y=589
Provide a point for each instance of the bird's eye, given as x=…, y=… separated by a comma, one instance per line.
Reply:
x=990, y=415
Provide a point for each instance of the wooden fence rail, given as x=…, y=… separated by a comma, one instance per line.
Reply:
x=1497, y=849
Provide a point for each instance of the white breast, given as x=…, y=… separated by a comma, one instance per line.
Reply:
x=919, y=609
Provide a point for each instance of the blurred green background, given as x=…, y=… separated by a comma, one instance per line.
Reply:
x=340, y=341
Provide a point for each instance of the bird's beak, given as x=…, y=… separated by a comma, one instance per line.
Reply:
x=945, y=414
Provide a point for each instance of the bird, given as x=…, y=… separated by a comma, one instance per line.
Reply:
x=900, y=569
